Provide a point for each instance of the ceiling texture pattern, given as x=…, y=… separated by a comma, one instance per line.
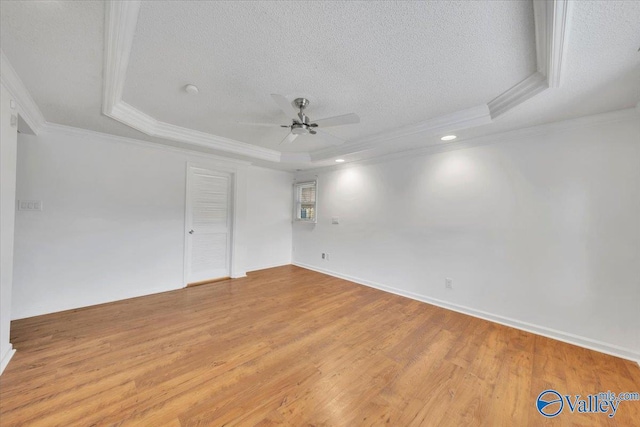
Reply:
x=412, y=71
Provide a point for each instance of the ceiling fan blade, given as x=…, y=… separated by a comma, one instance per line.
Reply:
x=328, y=138
x=285, y=106
x=345, y=119
x=271, y=125
x=289, y=138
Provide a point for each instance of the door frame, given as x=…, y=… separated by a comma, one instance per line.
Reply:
x=232, y=215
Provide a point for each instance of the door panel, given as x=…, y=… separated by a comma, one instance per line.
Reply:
x=208, y=225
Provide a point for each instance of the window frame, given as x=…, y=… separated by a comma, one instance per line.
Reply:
x=297, y=201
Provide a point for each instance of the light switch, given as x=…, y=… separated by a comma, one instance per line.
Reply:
x=30, y=205
x=335, y=220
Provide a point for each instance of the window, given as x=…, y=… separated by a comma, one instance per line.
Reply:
x=305, y=194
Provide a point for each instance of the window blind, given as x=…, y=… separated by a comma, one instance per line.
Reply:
x=308, y=195
x=305, y=201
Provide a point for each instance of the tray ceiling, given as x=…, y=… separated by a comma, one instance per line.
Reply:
x=392, y=63
x=410, y=70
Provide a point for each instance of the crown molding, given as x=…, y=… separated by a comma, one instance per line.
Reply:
x=552, y=19
x=295, y=157
x=53, y=128
x=136, y=119
x=458, y=120
x=177, y=133
x=551, y=28
x=27, y=107
x=516, y=95
x=583, y=122
x=121, y=18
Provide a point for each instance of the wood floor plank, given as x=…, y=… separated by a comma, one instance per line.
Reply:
x=288, y=346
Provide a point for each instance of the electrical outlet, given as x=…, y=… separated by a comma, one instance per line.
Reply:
x=324, y=256
x=448, y=283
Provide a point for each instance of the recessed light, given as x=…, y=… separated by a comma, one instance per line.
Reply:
x=191, y=89
x=339, y=160
x=448, y=138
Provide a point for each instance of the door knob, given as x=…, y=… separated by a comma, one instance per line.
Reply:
x=190, y=231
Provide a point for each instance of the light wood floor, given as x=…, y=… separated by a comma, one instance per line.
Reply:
x=288, y=346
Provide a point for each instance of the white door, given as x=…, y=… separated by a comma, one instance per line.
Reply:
x=208, y=225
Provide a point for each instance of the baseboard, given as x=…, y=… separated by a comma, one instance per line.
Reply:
x=267, y=266
x=569, y=338
x=91, y=304
x=207, y=282
x=6, y=358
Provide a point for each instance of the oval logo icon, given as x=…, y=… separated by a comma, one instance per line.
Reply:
x=549, y=403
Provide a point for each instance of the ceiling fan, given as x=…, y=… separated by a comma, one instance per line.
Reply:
x=301, y=123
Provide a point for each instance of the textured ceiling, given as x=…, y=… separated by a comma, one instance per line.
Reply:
x=601, y=71
x=602, y=68
x=394, y=64
x=57, y=49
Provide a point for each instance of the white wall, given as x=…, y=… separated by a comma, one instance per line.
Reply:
x=269, y=210
x=8, y=137
x=112, y=225
x=540, y=232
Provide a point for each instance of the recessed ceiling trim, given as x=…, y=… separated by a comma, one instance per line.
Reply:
x=177, y=133
x=458, y=120
x=121, y=18
x=551, y=19
x=133, y=117
x=295, y=158
x=125, y=113
x=84, y=133
x=529, y=87
x=461, y=119
x=27, y=107
x=515, y=135
x=552, y=29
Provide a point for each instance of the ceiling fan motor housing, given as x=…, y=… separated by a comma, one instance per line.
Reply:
x=301, y=129
x=301, y=124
